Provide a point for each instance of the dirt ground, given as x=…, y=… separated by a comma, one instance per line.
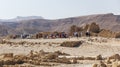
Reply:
x=90, y=47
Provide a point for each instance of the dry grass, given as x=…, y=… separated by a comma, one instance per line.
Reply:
x=95, y=65
x=112, y=61
x=8, y=55
x=101, y=64
x=63, y=60
x=89, y=58
x=81, y=58
x=99, y=57
x=61, y=53
x=71, y=44
x=107, y=33
x=115, y=56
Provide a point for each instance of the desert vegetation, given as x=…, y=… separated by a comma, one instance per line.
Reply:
x=71, y=44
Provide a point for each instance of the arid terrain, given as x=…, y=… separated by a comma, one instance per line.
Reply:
x=59, y=33
x=31, y=26
x=89, y=47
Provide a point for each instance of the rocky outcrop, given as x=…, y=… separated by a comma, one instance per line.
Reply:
x=94, y=28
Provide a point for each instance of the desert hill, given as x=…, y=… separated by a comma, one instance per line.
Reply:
x=106, y=21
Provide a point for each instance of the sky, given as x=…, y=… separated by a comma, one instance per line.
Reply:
x=55, y=9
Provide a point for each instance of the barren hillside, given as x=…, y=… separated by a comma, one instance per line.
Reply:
x=107, y=21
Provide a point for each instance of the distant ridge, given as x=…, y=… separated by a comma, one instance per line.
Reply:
x=28, y=17
x=33, y=25
x=21, y=18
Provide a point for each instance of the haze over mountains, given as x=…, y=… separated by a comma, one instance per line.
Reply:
x=20, y=18
x=34, y=24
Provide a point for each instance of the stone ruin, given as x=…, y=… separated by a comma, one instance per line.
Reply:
x=94, y=30
x=34, y=58
x=42, y=58
x=93, y=27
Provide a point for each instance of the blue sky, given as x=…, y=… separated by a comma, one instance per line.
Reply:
x=54, y=9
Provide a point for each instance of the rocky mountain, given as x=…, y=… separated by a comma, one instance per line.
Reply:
x=106, y=21
x=20, y=18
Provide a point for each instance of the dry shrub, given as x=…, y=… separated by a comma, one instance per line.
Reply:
x=31, y=53
x=101, y=64
x=116, y=57
x=41, y=52
x=74, y=61
x=9, y=59
x=89, y=58
x=118, y=64
x=1, y=41
x=80, y=58
x=9, y=62
x=85, y=58
x=60, y=53
x=63, y=60
x=107, y=33
x=8, y=55
x=51, y=56
x=117, y=35
x=115, y=64
x=93, y=34
x=95, y=65
x=46, y=64
x=1, y=63
x=22, y=42
x=20, y=59
x=99, y=57
x=108, y=61
x=71, y=44
x=35, y=62
x=109, y=65
x=17, y=66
